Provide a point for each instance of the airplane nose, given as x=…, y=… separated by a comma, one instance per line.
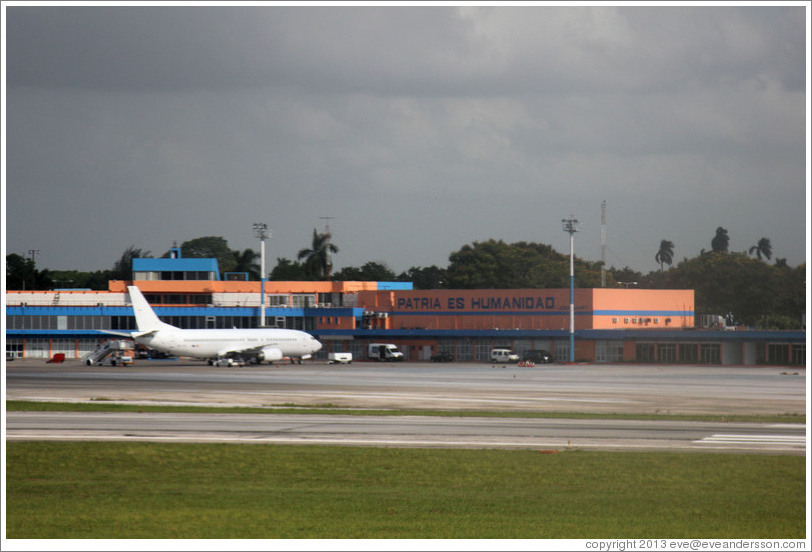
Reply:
x=316, y=345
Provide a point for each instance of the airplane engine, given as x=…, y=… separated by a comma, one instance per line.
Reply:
x=269, y=354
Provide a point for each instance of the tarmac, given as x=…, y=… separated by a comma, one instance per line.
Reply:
x=613, y=388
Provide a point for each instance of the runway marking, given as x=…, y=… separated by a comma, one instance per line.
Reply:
x=522, y=443
x=744, y=439
x=339, y=441
x=370, y=441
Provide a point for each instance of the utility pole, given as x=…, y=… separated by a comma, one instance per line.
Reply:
x=261, y=232
x=569, y=226
x=603, y=244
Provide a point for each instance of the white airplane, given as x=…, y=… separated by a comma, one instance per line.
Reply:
x=218, y=346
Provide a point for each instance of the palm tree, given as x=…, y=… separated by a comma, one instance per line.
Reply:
x=762, y=248
x=246, y=261
x=317, y=258
x=720, y=241
x=123, y=267
x=666, y=253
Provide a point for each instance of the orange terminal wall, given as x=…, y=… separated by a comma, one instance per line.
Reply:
x=642, y=308
x=482, y=309
x=538, y=309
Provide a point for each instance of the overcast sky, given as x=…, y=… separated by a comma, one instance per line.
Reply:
x=420, y=129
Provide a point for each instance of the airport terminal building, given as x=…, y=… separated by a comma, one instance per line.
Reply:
x=611, y=325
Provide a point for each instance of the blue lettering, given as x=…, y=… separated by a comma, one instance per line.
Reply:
x=477, y=303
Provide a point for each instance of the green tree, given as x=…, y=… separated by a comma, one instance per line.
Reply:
x=96, y=280
x=19, y=272
x=370, y=272
x=317, y=262
x=665, y=255
x=430, y=277
x=625, y=275
x=789, y=294
x=123, y=267
x=496, y=265
x=720, y=241
x=22, y=274
x=209, y=247
x=734, y=284
x=288, y=271
x=762, y=249
x=247, y=261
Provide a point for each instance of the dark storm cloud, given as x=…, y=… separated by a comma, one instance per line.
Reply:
x=412, y=50
x=420, y=129
x=185, y=48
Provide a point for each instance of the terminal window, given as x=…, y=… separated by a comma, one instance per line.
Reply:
x=710, y=353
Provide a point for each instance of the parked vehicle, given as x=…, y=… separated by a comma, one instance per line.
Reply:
x=227, y=361
x=384, y=352
x=339, y=358
x=504, y=355
x=442, y=356
x=537, y=355
x=119, y=358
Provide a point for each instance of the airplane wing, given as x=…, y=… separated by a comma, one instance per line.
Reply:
x=131, y=335
x=120, y=334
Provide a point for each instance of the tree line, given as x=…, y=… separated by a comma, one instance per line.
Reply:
x=741, y=286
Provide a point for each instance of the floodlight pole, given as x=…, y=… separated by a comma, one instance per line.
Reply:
x=569, y=226
x=261, y=232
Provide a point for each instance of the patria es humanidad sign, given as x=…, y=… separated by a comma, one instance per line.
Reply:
x=478, y=303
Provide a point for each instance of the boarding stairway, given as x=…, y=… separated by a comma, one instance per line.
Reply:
x=105, y=350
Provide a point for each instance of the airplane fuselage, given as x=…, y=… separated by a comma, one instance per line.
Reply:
x=260, y=344
x=213, y=343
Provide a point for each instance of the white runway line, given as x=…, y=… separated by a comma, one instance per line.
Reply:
x=545, y=446
x=787, y=440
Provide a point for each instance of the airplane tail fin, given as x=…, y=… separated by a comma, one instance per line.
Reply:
x=145, y=317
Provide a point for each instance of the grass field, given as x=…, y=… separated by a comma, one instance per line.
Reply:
x=144, y=490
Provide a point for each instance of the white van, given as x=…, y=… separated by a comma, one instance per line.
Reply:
x=339, y=358
x=504, y=355
x=386, y=352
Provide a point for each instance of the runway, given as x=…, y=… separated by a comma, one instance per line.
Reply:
x=628, y=389
x=547, y=435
